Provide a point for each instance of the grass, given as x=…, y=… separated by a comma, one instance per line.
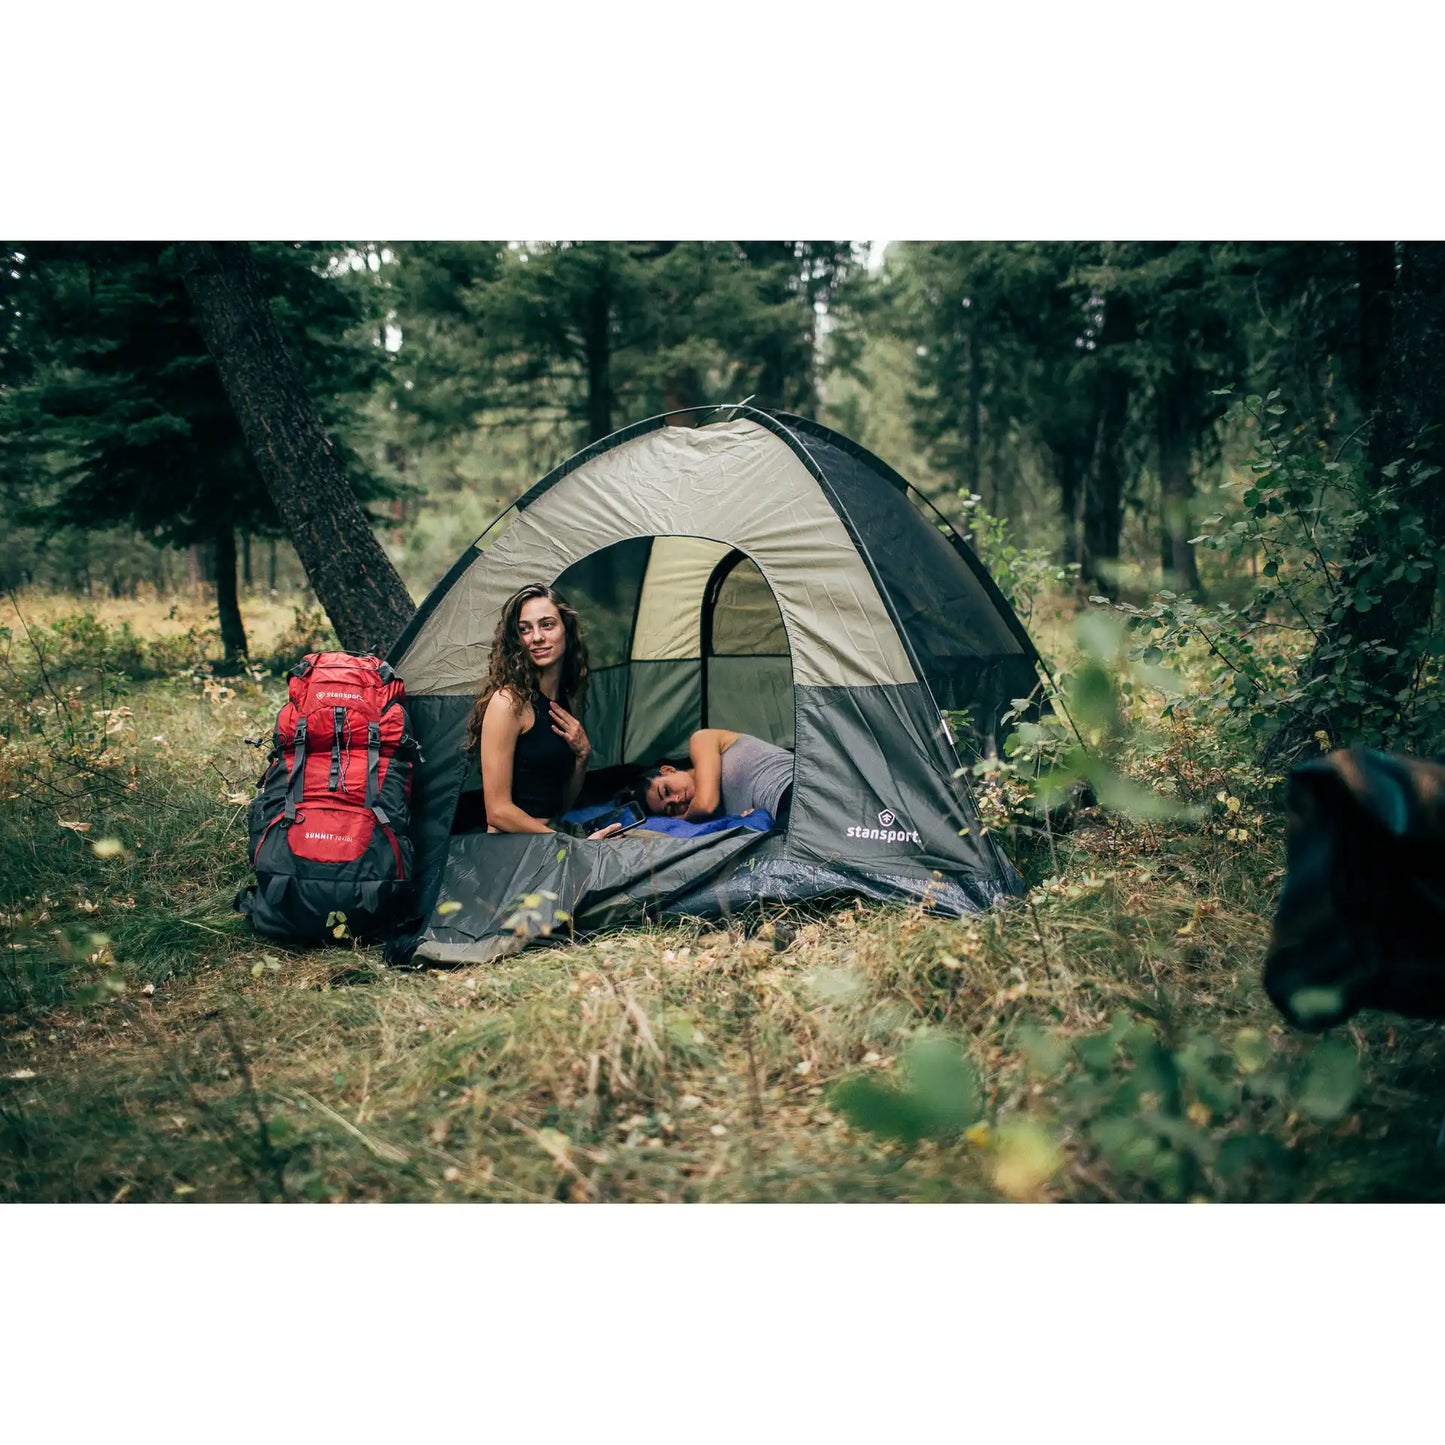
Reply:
x=1112, y=1028
x=267, y=618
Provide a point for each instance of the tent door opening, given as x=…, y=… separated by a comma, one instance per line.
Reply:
x=682, y=633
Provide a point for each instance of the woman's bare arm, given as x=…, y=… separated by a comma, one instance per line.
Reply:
x=571, y=731
x=501, y=727
x=705, y=749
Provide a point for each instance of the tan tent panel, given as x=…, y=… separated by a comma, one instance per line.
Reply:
x=667, y=616
x=734, y=482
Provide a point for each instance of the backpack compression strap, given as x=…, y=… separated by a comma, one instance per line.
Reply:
x=338, y=721
x=373, y=779
x=298, y=766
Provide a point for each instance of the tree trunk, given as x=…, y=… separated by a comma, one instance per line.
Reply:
x=1176, y=488
x=1071, y=483
x=246, y=580
x=1104, y=492
x=598, y=345
x=355, y=582
x=975, y=415
x=228, y=607
x=1375, y=270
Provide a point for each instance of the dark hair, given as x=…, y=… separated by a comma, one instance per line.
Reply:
x=638, y=792
x=510, y=665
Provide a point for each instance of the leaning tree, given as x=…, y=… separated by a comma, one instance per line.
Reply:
x=353, y=578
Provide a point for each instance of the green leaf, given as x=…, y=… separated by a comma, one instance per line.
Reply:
x=1251, y=1050
x=1127, y=797
x=1096, y=1052
x=867, y=1104
x=1120, y=1135
x=1317, y=1005
x=1045, y=1052
x=1331, y=1081
x=683, y=1029
x=1248, y=1151
x=944, y=1083
x=1100, y=634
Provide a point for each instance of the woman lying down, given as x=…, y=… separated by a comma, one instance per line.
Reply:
x=732, y=776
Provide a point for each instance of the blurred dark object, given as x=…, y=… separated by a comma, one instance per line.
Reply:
x=1361, y=918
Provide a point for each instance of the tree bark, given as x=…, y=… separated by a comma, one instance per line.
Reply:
x=1103, y=507
x=975, y=415
x=1176, y=488
x=1375, y=272
x=355, y=582
x=597, y=341
x=228, y=607
x=1104, y=492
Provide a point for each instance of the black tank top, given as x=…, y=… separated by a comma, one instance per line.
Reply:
x=541, y=764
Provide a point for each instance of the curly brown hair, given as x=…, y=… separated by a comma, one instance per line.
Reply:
x=511, y=665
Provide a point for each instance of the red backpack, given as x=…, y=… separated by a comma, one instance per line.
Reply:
x=330, y=820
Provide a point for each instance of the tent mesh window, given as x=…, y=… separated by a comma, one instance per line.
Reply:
x=974, y=662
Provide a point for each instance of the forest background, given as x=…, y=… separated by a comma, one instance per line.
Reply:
x=1142, y=422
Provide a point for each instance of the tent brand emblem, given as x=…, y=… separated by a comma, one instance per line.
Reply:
x=890, y=830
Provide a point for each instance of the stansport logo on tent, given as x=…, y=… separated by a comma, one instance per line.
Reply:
x=887, y=830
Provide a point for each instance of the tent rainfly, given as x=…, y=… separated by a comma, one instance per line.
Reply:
x=761, y=573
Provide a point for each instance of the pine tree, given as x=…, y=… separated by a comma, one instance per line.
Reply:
x=113, y=412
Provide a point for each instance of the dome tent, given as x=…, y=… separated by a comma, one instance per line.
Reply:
x=758, y=572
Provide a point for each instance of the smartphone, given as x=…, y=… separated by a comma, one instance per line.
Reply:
x=629, y=815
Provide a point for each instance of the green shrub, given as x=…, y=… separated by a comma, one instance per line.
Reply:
x=309, y=632
x=1327, y=541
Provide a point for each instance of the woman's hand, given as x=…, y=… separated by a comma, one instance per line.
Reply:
x=570, y=731
x=606, y=832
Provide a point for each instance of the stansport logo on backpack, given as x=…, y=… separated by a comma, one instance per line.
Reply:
x=887, y=831
x=322, y=692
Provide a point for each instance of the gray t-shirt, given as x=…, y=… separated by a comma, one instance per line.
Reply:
x=754, y=775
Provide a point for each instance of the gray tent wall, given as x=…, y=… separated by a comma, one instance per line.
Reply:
x=883, y=618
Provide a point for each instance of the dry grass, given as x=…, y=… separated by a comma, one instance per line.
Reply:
x=154, y=1049
x=266, y=618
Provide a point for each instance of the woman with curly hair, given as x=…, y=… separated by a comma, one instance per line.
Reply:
x=534, y=750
